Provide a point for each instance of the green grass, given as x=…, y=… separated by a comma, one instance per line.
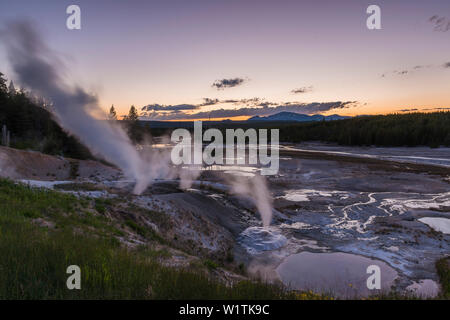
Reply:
x=211, y=265
x=34, y=259
x=136, y=227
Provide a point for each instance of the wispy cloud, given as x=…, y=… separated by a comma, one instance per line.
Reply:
x=424, y=109
x=209, y=102
x=417, y=68
x=408, y=110
x=440, y=23
x=178, y=107
x=228, y=83
x=400, y=72
x=302, y=90
x=437, y=109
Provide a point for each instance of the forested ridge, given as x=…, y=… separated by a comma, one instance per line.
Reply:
x=412, y=129
x=32, y=127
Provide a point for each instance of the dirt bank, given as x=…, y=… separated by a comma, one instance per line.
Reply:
x=20, y=164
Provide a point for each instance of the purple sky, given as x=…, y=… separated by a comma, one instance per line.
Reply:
x=170, y=53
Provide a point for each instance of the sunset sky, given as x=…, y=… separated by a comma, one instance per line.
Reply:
x=189, y=59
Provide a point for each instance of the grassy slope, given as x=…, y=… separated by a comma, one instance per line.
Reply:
x=34, y=258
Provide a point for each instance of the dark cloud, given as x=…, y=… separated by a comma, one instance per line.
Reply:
x=302, y=90
x=249, y=102
x=408, y=110
x=405, y=72
x=266, y=104
x=398, y=72
x=425, y=109
x=228, y=83
x=446, y=65
x=178, y=107
x=306, y=108
x=401, y=73
x=172, y=109
x=441, y=24
x=243, y=102
x=209, y=102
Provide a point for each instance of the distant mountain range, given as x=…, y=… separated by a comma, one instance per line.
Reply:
x=298, y=117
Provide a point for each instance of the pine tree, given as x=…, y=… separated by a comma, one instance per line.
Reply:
x=112, y=113
x=3, y=88
x=133, y=115
x=11, y=89
x=133, y=124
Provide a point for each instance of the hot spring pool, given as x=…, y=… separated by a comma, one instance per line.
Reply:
x=339, y=274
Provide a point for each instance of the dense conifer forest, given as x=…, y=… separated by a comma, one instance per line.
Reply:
x=31, y=125
x=393, y=130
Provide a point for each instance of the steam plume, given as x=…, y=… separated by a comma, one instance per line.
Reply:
x=255, y=189
x=39, y=68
